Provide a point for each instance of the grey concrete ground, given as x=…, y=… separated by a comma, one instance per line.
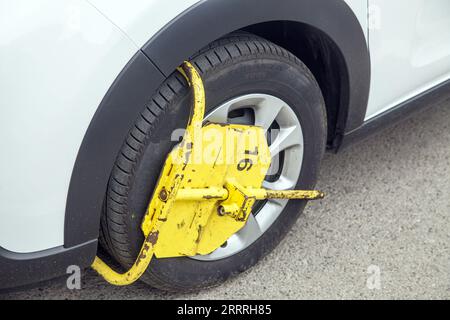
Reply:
x=387, y=210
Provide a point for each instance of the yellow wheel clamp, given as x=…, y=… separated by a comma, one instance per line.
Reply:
x=206, y=190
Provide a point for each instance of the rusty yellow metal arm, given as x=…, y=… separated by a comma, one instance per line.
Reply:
x=258, y=194
x=136, y=271
x=263, y=194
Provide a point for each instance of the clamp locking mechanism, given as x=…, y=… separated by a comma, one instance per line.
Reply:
x=206, y=190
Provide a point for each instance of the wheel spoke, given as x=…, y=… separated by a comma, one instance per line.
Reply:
x=278, y=202
x=283, y=183
x=271, y=211
x=267, y=111
x=220, y=115
x=250, y=232
x=286, y=139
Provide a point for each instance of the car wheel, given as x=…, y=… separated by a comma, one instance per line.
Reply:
x=248, y=80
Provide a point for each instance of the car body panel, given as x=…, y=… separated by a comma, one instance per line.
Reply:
x=142, y=19
x=55, y=70
x=410, y=50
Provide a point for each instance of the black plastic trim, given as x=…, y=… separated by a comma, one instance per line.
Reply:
x=126, y=98
x=402, y=112
x=20, y=269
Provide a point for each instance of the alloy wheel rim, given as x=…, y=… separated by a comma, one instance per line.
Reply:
x=286, y=146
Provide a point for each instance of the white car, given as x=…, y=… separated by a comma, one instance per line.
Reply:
x=90, y=97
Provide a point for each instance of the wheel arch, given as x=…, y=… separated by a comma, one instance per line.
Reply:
x=336, y=48
x=337, y=32
x=322, y=56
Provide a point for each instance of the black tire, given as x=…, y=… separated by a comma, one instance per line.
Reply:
x=232, y=66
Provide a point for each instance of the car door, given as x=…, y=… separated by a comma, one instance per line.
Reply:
x=409, y=44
